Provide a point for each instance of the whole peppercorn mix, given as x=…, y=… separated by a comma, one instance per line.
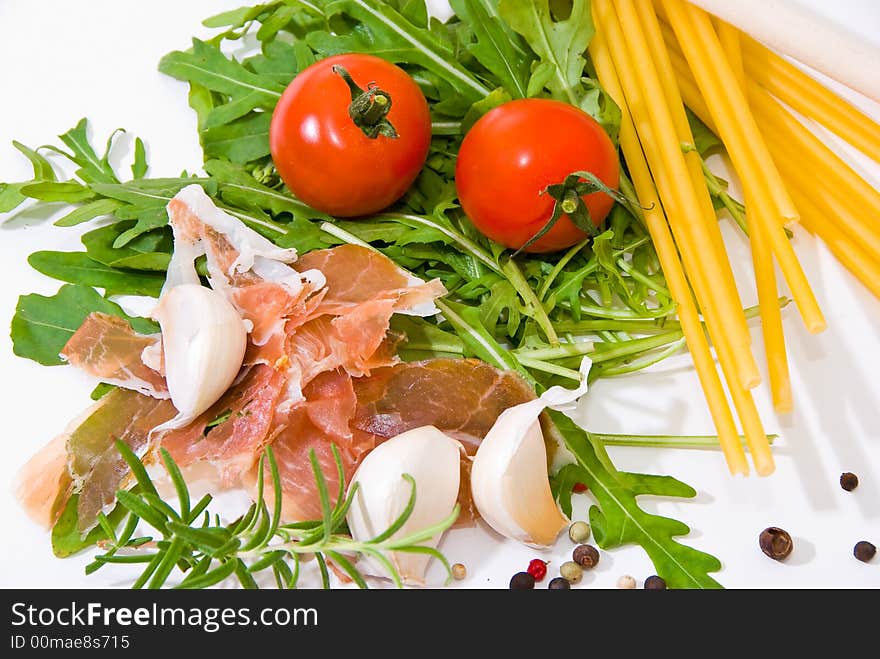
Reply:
x=775, y=543
x=626, y=582
x=864, y=551
x=571, y=572
x=587, y=556
x=558, y=583
x=522, y=581
x=849, y=481
x=537, y=568
x=655, y=583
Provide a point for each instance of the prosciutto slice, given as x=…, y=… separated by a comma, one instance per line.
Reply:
x=228, y=439
x=318, y=423
x=460, y=397
x=107, y=348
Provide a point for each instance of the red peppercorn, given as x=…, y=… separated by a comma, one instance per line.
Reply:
x=579, y=488
x=537, y=568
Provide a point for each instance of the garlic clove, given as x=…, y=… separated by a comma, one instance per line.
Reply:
x=433, y=460
x=203, y=342
x=509, y=479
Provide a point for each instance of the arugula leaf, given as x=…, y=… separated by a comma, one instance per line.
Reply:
x=43, y=325
x=92, y=169
x=560, y=44
x=78, y=268
x=149, y=251
x=11, y=195
x=240, y=141
x=386, y=33
x=89, y=211
x=497, y=47
x=618, y=519
x=207, y=66
x=238, y=188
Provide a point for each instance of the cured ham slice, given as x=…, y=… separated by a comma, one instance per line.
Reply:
x=315, y=424
x=107, y=348
x=97, y=468
x=227, y=440
x=43, y=484
x=356, y=275
x=463, y=398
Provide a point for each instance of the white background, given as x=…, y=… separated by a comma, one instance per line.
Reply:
x=63, y=60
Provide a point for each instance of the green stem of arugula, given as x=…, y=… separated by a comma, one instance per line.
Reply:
x=527, y=293
x=345, y=236
x=628, y=365
x=553, y=369
x=446, y=128
x=569, y=255
x=667, y=441
x=468, y=246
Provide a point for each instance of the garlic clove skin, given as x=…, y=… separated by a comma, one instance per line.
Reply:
x=432, y=458
x=509, y=477
x=510, y=485
x=203, y=342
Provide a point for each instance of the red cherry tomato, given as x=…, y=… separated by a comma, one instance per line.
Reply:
x=513, y=153
x=326, y=159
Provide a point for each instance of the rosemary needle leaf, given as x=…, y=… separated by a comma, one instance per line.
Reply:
x=200, y=507
x=244, y=576
x=179, y=484
x=381, y=558
x=137, y=467
x=276, y=488
x=142, y=509
x=167, y=564
x=349, y=569
x=401, y=520
x=326, y=509
x=325, y=576
x=210, y=578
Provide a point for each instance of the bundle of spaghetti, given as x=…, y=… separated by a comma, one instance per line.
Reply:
x=743, y=141
x=661, y=127
x=762, y=259
x=811, y=98
x=836, y=204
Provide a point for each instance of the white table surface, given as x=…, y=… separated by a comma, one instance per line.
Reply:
x=97, y=58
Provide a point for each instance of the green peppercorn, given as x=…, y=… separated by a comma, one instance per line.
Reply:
x=655, y=583
x=571, y=572
x=579, y=532
x=522, y=581
x=587, y=556
x=849, y=481
x=864, y=551
x=558, y=583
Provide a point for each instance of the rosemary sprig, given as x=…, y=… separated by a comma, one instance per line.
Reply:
x=194, y=541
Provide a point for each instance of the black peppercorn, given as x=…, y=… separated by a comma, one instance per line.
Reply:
x=559, y=583
x=775, y=543
x=522, y=581
x=864, y=551
x=849, y=481
x=587, y=556
x=655, y=583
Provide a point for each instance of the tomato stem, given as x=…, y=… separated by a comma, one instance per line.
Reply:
x=369, y=108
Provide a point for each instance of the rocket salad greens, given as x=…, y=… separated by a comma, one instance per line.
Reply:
x=531, y=313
